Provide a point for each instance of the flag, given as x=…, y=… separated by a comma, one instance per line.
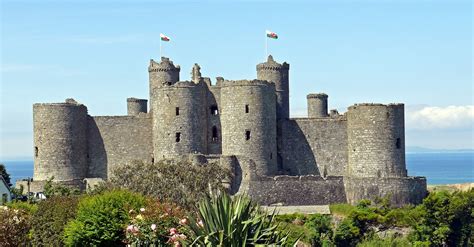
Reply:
x=271, y=35
x=164, y=37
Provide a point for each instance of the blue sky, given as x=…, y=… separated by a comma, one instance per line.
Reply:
x=416, y=52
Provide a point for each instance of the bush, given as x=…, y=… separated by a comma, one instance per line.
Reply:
x=100, y=219
x=50, y=219
x=178, y=182
x=446, y=219
x=27, y=207
x=347, y=234
x=152, y=224
x=378, y=242
x=14, y=227
x=226, y=221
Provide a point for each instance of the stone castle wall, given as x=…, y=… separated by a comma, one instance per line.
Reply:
x=314, y=146
x=60, y=141
x=248, y=116
x=376, y=140
x=179, y=120
x=117, y=140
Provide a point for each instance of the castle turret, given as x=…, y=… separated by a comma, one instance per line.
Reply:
x=376, y=140
x=248, y=118
x=136, y=106
x=179, y=120
x=164, y=72
x=317, y=105
x=60, y=141
x=278, y=74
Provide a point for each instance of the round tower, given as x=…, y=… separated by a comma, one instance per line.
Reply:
x=248, y=119
x=179, y=120
x=164, y=72
x=60, y=141
x=376, y=140
x=317, y=105
x=278, y=74
x=136, y=106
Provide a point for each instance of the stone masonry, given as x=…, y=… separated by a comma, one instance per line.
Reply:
x=244, y=125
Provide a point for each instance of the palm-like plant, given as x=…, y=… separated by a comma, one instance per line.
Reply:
x=226, y=221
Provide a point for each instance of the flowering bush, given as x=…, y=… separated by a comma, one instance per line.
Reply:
x=156, y=224
x=14, y=227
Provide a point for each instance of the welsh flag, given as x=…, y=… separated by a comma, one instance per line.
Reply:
x=164, y=37
x=271, y=35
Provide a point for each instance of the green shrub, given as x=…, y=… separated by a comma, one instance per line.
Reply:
x=178, y=182
x=226, y=221
x=100, y=219
x=347, y=234
x=14, y=227
x=320, y=227
x=342, y=209
x=28, y=207
x=50, y=219
x=446, y=219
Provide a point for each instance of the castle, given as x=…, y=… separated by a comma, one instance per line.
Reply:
x=243, y=125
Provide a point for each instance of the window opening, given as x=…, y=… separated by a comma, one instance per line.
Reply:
x=246, y=108
x=398, y=143
x=178, y=136
x=247, y=135
x=271, y=155
x=36, y=151
x=177, y=111
x=215, y=137
x=214, y=110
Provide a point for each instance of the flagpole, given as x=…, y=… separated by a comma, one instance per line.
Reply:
x=160, y=48
x=266, y=47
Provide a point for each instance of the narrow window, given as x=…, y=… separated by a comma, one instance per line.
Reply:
x=153, y=160
x=247, y=135
x=178, y=136
x=36, y=151
x=246, y=108
x=214, y=110
x=177, y=111
x=215, y=137
x=271, y=155
x=398, y=143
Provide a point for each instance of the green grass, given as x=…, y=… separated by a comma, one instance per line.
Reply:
x=342, y=209
x=381, y=242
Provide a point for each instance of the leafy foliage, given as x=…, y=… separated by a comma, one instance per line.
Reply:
x=100, y=219
x=50, y=219
x=226, y=221
x=5, y=175
x=446, y=220
x=14, y=227
x=27, y=207
x=178, y=182
x=55, y=189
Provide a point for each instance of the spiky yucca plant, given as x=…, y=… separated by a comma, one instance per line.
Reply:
x=226, y=221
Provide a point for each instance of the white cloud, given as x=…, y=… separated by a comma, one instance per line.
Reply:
x=450, y=117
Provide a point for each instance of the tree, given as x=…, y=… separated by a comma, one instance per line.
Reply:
x=5, y=175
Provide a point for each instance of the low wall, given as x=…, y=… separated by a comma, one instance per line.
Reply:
x=38, y=186
x=297, y=190
x=402, y=191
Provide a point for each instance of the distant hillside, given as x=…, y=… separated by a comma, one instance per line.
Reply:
x=415, y=149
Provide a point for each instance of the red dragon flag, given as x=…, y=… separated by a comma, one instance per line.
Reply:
x=164, y=37
x=271, y=34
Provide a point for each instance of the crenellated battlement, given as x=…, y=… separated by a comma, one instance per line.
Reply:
x=271, y=64
x=165, y=65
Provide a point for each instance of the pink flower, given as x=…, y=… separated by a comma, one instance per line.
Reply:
x=177, y=244
x=183, y=221
x=153, y=227
x=200, y=223
x=142, y=210
x=173, y=231
x=130, y=228
x=182, y=236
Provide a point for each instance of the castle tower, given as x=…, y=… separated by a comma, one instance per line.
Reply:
x=248, y=118
x=317, y=105
x=179, y=120
x=60, y=141
x=278, y=74
x=136, y=106
x=376, y=140
x=164, y=72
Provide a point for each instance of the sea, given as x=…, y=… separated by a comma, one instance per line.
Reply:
x=438, y=168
